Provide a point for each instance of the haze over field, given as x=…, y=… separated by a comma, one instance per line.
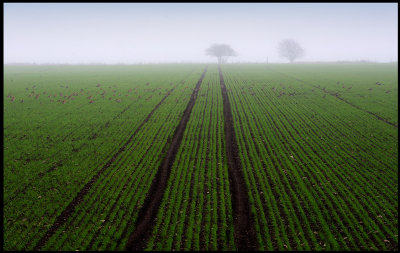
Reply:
x=180, y=32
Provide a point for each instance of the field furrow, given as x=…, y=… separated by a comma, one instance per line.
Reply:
x=306, y=171
x=149, y=209
x=201, y=157
x=196, y=208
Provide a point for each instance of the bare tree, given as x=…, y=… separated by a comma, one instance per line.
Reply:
x=221, y=51
x=290, y=49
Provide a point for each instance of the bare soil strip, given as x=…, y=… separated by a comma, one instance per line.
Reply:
x=67, y=212
x=245, y=235
x=148, y=212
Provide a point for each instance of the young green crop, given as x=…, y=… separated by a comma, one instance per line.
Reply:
x=313, y=163
x=101, y=127
x=317, y=144
x=194, y=212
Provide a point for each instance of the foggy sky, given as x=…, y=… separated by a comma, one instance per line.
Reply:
x=175, y=32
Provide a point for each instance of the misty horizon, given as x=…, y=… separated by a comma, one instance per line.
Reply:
x=191, y=62
x=133, y=33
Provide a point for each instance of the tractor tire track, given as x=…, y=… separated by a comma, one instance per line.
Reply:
x=245, y=235
x=148, y=212
x=67, y=212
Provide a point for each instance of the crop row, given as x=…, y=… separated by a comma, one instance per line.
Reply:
x=118, y=195
x=45, y=138
x=304, y=198
x=196, y=212
x=371, y=87
x=25, y=218
x=83, y=148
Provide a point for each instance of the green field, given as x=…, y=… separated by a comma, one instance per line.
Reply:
x=317, y=146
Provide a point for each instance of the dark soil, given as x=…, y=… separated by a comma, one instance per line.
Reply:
x=245, y=235
x=148, y=212
x=67, y=212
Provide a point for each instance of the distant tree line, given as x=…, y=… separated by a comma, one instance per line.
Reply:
x=288, y=48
